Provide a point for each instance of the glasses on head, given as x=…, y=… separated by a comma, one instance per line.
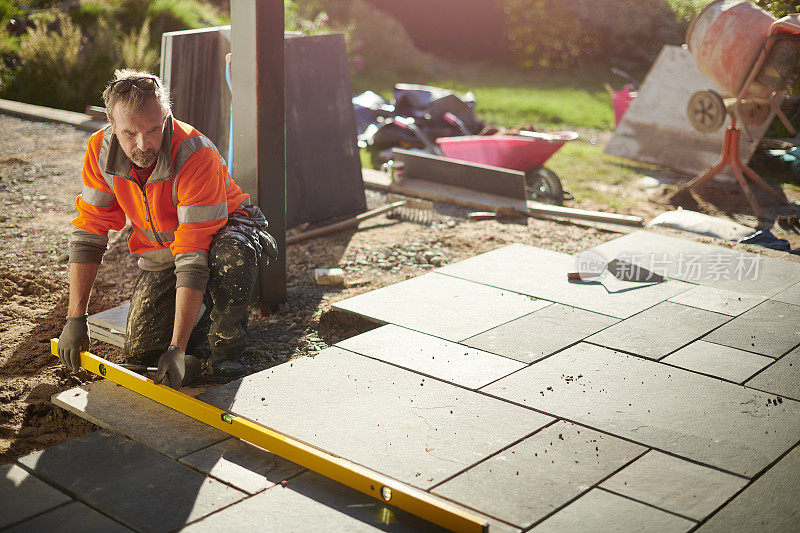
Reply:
x=143, y=83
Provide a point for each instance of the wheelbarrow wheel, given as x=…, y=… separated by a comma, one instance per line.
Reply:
x=542, y=185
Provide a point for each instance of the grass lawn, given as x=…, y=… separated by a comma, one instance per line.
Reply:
x=507, y=97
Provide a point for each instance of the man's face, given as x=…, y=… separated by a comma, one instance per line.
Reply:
x=139, y=133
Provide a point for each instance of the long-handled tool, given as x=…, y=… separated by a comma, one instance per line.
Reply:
x=410, y=208
x=362, y=479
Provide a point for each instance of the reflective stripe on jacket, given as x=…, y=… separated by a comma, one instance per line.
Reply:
x=174, y=216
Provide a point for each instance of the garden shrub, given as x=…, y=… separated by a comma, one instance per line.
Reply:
x=568, y=34
x=64, y=59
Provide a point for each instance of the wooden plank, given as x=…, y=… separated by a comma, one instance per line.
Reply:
x=473, y=176
x=656, y=129
x=37, y=112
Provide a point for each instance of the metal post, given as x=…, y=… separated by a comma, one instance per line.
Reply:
x=259, y=124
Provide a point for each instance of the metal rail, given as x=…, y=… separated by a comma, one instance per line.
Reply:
x=362, y=479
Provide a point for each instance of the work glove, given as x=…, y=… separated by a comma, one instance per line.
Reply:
x=74, y=339
x=172, y=367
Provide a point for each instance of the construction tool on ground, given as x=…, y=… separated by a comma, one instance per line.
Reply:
x=381, y=487
x=753, y=57
x=620, y=269
x=411, y=209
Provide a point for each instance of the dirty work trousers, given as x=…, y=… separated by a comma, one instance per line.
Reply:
x=233, y=261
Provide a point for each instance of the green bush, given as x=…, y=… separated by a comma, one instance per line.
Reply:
x=50, y=64
x=568, y=34
x=779, y=8
x=378, y=45
x=65, y=59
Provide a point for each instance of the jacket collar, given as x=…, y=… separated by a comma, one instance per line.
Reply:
x=119, y=164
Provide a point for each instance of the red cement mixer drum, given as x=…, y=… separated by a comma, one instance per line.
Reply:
x=726, y=39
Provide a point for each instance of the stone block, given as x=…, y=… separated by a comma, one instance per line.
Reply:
x=700, y=418
x=610, y=512
x=543, y=274
x=431, y=356
x=71, y=518
x=116, y=408
x=704, y=264
x=717, y=300
x=416, y=429
x=541, y=333
x=770, y=503
x=660, y=330
x=23, y=495
x=782, y=378
x=443, y=306
x=675, y=485
x=131, y=483
x=242, y=465
x=529, y=480
x=718, y=360
x=771, y=328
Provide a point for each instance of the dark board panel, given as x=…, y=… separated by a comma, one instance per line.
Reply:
x=323, y=167
x=482, y=178
x=196, y=78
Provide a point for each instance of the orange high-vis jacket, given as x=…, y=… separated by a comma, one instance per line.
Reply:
x=174, y=216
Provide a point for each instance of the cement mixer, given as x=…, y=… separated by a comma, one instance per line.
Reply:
x=755, y=60
x=751, y=56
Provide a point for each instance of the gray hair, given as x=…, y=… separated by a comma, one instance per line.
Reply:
x=135, y=99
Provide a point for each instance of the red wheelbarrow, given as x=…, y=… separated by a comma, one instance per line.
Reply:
x=526, y=152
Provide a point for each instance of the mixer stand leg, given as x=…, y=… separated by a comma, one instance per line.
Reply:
x=730, y=156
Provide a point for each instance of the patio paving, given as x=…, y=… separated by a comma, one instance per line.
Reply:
x=660, y=330
x=720, y=361
x=488, y=386
x=541, y=333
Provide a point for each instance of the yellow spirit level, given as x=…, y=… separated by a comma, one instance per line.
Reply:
x=375, y=484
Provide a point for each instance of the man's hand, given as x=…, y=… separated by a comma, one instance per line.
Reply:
x=74, y=339
x=172, y=366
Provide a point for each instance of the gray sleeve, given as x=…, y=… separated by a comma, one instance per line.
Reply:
x=86, y=247
x=191, y=270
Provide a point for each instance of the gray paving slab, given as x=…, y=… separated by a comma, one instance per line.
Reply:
x=693, y=416
x=770, y=503
x=790, y=295
x=782, y=378
x=659, y=330
x=543, y=274
x=431, y=356
x=718, y=300
x=130, y=482
x=310, y=502
x=443, y=306
x=71, y=518
x=22, y=495
x=704, y=264
x=116, y=408
x=242, y=465
x=416, y=429
x=718, y=360
x=673, y=484
x=602, y=511
x=529, y=480
x=541, y=333
x=771, y=328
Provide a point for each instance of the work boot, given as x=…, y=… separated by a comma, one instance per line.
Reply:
x=227, y=370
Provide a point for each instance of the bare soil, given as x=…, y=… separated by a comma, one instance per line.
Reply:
x=40, y=169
